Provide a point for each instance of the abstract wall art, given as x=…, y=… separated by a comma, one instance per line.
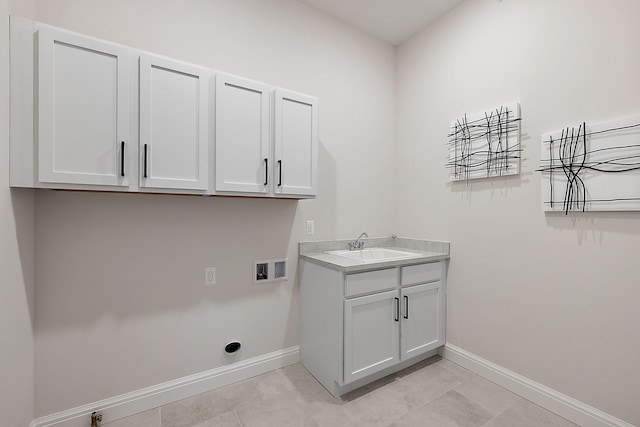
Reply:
x=592, y=167
x=486, y=144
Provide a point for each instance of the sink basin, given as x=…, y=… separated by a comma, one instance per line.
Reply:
x=374, y=254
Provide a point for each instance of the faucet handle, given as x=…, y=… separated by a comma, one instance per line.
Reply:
x=358, y=243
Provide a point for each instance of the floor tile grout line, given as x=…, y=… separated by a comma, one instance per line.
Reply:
x=237, y=417
x=497, y=415
x=481, y=405
x=444, y=365
x=279, y=387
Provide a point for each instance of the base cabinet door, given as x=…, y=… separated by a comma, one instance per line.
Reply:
x=422, y=319
x=371, y=334
x=174, y=130
x=83, y=110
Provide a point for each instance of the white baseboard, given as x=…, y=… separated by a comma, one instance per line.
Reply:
x=556, y=402
x=148, y=398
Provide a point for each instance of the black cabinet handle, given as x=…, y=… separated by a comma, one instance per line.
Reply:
x=121, y=158
x=406, y=307
x=397, y=314
x=279, y=173
x=144, y=165
x=266, y=171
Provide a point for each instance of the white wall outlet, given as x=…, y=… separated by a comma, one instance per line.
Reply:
x=310, y=227
x=210, y=276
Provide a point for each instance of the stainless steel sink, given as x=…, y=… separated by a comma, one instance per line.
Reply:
x=375, y=254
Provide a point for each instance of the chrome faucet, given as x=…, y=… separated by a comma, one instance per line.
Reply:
x=357, y=244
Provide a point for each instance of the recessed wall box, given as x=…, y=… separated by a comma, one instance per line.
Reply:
x=280, y=269
x=270, y=271
x=260, y=271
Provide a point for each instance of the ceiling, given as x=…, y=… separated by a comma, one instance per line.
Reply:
x=393, y=21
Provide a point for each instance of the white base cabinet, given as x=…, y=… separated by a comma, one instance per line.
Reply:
x=356, y=327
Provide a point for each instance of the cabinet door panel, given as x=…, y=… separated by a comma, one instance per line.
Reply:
x=83, y=107
x=242, y=135
x=296, y=140
x=371, y=334
x=422, y=319
x=174, y=108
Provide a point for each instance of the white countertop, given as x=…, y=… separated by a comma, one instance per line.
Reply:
x=428, y=250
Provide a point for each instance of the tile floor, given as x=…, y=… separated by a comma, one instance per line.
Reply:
x=434, y=392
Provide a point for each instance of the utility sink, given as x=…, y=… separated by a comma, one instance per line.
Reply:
x=374, y=254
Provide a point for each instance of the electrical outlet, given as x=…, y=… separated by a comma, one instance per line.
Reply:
x=210, y=276
x=310, y=227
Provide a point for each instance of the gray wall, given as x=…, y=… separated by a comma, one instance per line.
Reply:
x=120, y=296
x=119, y=300
x=549, y=296
x=16, y=266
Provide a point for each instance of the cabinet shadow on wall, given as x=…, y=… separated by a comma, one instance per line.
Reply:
x=22, y=201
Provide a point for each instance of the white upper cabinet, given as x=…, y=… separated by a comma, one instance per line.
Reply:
x=242, y=135
x=87, y=114
x=295, y=144
x=174, y=126
x=83, y=110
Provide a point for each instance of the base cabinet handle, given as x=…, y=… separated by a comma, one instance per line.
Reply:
x=406, y=307
x=121, y=158
x=266, y=171
x=145, y=161
x=279, y=173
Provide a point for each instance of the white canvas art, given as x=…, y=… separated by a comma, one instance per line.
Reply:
x=486, y=144
x=592, y=167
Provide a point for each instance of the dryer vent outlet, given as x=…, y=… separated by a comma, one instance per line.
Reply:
x=232, y=347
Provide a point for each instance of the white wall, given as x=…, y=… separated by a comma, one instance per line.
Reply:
x=120, y=301
x=16, y=266
x=552, y=297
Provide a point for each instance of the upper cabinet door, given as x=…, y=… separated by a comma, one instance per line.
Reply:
x=83, y=110
x=174, y=127
x=242, y=135
x=295, y=144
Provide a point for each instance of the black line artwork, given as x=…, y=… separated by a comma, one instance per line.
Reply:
x=485, y=145
x=595, y=168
